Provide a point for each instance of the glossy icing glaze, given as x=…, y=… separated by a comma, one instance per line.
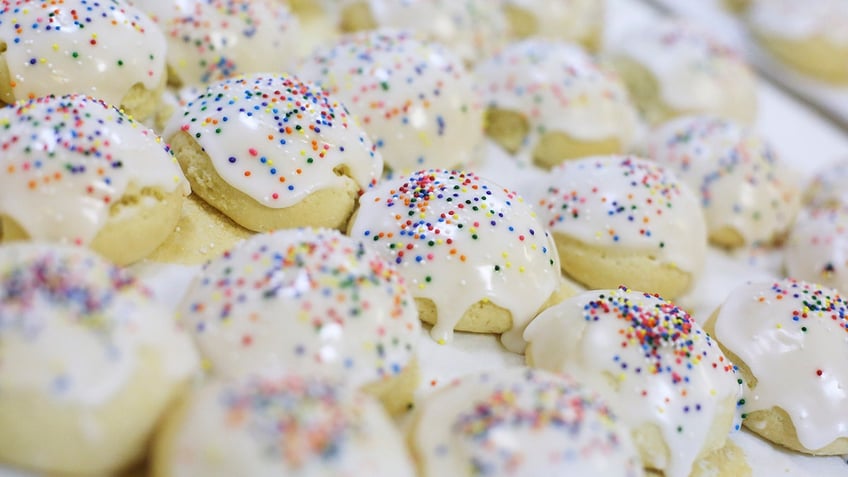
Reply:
x=520, y=423
x=801, y=20
x=289, y=425
x=694, y=71
x=414, y=99
x=67, y=160
x=742, y=183
x=277, y=139
x=647, y=357
x=73, y=327
x=792, y=336
x=211, y=40
x=629, y=204
x=459, y=239
x=312, y=301
x=99, y=48
x=558, y=87
x=817, y=248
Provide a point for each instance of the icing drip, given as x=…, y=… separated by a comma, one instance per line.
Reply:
x=414, y=99
x=313, y=301
x=741, y=181
x=211, y=40
x=520, y=422
x=67, y=160
x=276, y=138
x=290, y=425
x=647, y=357
x=458, y=240
x=629, y=204
x=78, y=324
x=792, y=336
x=101, y=48
x=558, y=87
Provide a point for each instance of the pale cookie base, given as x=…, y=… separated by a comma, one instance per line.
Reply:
x=139, y=103
x=726, y=237
x=137, y=224
x=356, y=17
x=509, y=130
x=816, y=56
x=736, y=6
x=330, y=208
x=729, y=461
x=772, y=424
x=523, y=24
x=602, y=268
x=396, y=394
x=201, y=234
x=645, y=93
x=43, y=434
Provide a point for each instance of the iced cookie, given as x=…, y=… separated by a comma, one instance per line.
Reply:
x=622, y=220
x=660, y=372
x=474, y=254
x=89, y=361
x=580, y=21
x=314, y=302
x=788, y=340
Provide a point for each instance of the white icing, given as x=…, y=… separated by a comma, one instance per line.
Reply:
x=827, y=188
x=210, y=40
x=647, y=358
x=285, y=426
x=787, y=332
x=67, y=160
x=558, y=87
x=741, y=182
x=72, y=327
x=695, y=72
x=312, y=301
x=564, y=19
x=817, y=248
x=801, y=20
x=76, y=46
x=626, y=203
x=415, y=99
x=520, y=423
x=458, y=240
x=277, y=139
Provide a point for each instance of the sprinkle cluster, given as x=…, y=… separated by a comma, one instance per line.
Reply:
x=64, y=42
x=211, y=40
x=811, y=301
x=666, y=339
x=442, y=215
x=275, y=137
x=538, y=404
x=414, y=99
x=620, y=198
x=325, y=286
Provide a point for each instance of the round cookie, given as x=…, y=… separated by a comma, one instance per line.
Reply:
x=88, y=361
x=519, y=423
x=273, y=152
x=788, y=340
x=109, y=50
x=622, y=220
x=659, y=371
x=77, y=170
x=315, y=302
x=474, y=254
x=580, y=21
x=470, y=28
x=747, y=192
x=817, y=247
x=810, y=36
x=211, y=40
x=414, y=99
x=550, y=100
x=827, y=188
x=291, y=425
x=674, y=68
